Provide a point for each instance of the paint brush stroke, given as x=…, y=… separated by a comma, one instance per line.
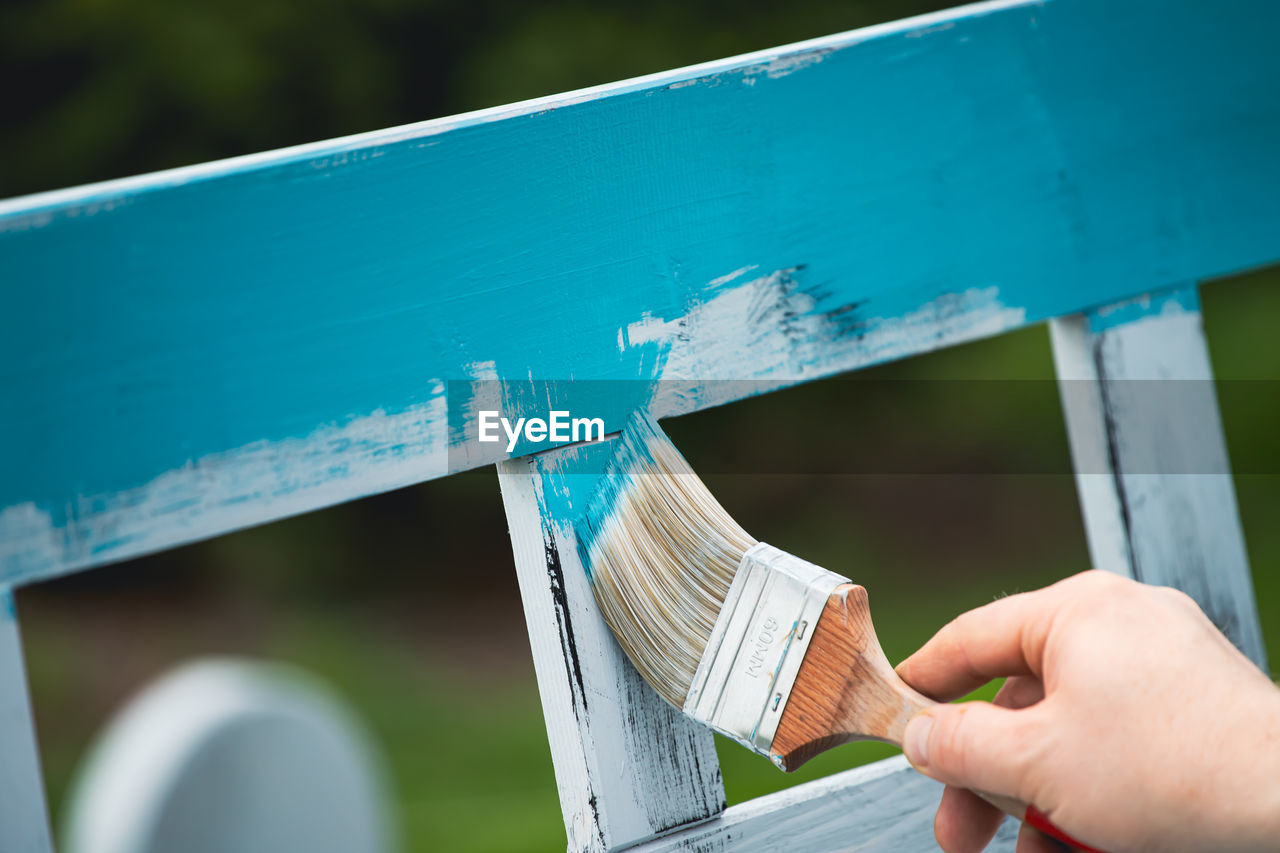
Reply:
x=772, y=330
x=224, y=491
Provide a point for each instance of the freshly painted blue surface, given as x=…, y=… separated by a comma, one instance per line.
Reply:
x=570, y=477
x=200, y=350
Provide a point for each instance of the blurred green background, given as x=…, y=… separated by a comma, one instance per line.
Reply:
x=407, y=602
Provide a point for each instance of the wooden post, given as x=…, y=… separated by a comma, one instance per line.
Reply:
x=24, y=819
x=628, y=766
x=1151, y=463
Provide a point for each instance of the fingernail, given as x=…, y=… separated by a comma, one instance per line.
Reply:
x=915, y=740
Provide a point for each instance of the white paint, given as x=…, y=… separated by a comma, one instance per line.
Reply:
x=1085, y=413
x=249, y=485
x=885, y=807
x=24, y=819
x=924, y=31
x=481, y=370
x=628, y=766
x=1155, y=487
x=231, y=755
x=782, y=66
x=733, y=276
x=768, y=330
x=649, y=330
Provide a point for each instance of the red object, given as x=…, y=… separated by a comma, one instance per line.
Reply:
x=1040, y=821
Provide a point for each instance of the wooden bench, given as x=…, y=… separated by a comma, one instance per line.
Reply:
x=199, y=350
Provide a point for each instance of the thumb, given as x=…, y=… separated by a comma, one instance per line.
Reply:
x=975, y=745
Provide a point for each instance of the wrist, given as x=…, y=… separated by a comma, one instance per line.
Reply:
x=1255, y=823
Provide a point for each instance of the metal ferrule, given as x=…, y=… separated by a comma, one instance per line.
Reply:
x=750, y=664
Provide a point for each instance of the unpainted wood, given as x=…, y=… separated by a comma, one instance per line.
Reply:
x=628, y=766
x=24, y=818
x=1155, y=483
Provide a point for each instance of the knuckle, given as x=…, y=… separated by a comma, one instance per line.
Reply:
x=1095, y=578
x=1178, y=598
x=1093, y=587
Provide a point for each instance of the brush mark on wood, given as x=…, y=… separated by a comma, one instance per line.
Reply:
x=1146, y=518
x=568, y=643
x=161, y=328
x=628, y=766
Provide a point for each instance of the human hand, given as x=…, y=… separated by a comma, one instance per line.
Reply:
x=1127, y=718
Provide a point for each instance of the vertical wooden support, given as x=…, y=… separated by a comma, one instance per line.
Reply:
x=628, y=766
x=24, y=820
x=1151, y=462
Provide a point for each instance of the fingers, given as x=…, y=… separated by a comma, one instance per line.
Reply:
x=1005, y=637
x=977, y=745
x=1032, y=840
x=965, y=822
x=1019, y=691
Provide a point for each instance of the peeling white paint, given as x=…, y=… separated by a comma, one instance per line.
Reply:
x=736, y=274
x=1155, y=486
x=770, y=330
x=481, y=370
x=781, y=66
x=924, y=31
x=225, y=491
x=649, y=329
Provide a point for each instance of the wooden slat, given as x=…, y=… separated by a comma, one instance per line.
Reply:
x=198, y=350
x=1151, y=463
x=628, y=766
x=24, y=820
x=884, y=807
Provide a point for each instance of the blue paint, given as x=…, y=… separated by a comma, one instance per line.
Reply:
x=632, y=458
x=1061, y=155
x=8, y=606
x=1150, y=305
x=570, y=475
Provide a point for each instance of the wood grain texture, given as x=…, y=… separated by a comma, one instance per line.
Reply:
x=846, y=690
x=24, y=818
x=207, y=348
x=885, y=807
x=628, y=766
x=1151, y=463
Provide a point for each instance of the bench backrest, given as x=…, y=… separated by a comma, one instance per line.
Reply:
x=200, y=350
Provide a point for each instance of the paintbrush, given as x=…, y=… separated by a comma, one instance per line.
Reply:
x=770, y=650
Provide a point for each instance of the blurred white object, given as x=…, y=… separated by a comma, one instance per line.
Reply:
x=230, y=756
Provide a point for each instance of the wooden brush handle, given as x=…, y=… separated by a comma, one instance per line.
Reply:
x=846, y=691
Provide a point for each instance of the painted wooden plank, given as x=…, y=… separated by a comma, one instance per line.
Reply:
x=885, y=806
x=1151, y=463
x=202, y=349
x=628, y=766
x=24, y=819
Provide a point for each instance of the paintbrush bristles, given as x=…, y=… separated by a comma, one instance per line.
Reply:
x=661, y=553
